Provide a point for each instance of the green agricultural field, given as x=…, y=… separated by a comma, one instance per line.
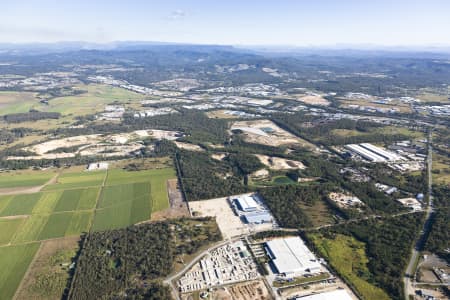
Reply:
x=46, y=203
x=77, y=180
x=141, y=209
x=8, y=227
x=56, y=226
x=68, y=200
x=21, y=205
x=88, y=198
x=123, y=205
x=112, y=217
x=348, y=257
x=80, y=222
x=118, y=176
x=158, y=182
x=115, y=194
x=24, y=178
x=4, y=201
x=14, y=262
x=30, y=229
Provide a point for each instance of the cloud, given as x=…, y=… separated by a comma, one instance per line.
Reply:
x=177, y=14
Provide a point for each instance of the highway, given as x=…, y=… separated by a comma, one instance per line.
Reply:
x=411, y=269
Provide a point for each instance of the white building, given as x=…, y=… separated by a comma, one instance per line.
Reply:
x=411, y=203
x=291, y=257
x=97, y=166
x=246, y=203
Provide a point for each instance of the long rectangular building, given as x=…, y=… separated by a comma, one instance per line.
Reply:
x=381, y=152
x=369, y=155
x=291, y=257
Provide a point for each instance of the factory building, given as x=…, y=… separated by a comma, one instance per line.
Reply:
x=291, y=258
x=370, y=156
x=246, y=203
x=258, y=217
x=381, y=152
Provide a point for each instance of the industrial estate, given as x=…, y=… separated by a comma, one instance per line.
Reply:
x=213, y=172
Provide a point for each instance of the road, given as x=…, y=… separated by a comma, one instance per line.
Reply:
x=411, y=269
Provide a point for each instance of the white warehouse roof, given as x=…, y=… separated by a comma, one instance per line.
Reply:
x=290, y=256
x=333, y=295
x=247, y=203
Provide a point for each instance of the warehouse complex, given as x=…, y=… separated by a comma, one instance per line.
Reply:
x=373, y=153
x=291, y=258
x=251, y=209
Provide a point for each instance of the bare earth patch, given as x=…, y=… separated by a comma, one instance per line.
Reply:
x=265, y=132
x=313, y=100
x=187, y=146
x=278, y=163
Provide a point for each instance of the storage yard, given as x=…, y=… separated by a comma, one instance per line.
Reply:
x=227, y=264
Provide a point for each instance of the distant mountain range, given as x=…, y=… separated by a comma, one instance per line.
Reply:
x=267, y=50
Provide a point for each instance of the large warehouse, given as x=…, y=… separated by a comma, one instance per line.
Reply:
x=258, y=217
x=246, y=203
x=291, y=257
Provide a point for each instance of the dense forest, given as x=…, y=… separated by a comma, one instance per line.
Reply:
x=130, y=261
x=388, y=243
x=206, y=178
x=30, y=116
x=439, y=239
x=284, y=203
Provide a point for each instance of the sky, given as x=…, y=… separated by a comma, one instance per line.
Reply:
x=229, y=22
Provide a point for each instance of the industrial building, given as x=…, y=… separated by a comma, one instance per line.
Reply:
x=390, y=156
x=291, y=258
x=333, y=295
x=411, y=203
x=258, y=217
x=370, y=156
x=246, y=203
x=373, y=153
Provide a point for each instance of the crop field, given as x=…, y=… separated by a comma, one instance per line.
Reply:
x=8, y=228
x=14, y=262
x=24, y=178
x=20, y=204
x=30, y=229
x=348, y=257
x=77, y=180
x=128, y=203
x=66, y=224
x=78, y=202
x=158, y=182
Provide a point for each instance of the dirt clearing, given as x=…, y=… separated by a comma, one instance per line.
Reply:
x=278, y=163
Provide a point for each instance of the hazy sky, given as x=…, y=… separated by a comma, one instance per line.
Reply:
x=237, y=22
